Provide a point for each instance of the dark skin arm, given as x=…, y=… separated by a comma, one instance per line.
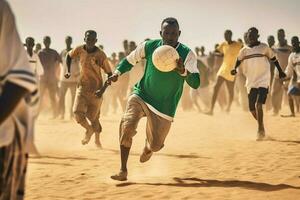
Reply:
x=237, y=64
x=68, y=61
x=9, y=99
x=282, y=75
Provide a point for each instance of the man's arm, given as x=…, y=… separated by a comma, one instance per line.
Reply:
x=277, y=65
x=68, y=62
x=190, y=72
x=234, y=71
x=9, y=99
x=127, y=63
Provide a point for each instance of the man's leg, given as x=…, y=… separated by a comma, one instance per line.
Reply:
x=262, y=97
x=230, y=87
x=157, y=131
x=277, y=93
x=80, y=109
x=194, y=94
x=73, y=94
x=217, y=86
x=52, y=89
x=93, y=114
x=61, y=102
x=133, y=113
x=252, y=98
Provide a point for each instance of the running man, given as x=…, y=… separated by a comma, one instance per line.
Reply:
x=293, y=71
x=87, y=105
x=151, y=98
x=230, y=50
x=256, y=67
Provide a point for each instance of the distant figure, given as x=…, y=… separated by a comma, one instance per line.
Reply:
x=70, y=83
x=283, y=51
x=87, y=106
x=230, y=50
x=156, y=95
x=126, y=47
x=50, y=60
x=271, y=42
x=120, y=88
x=293, y=72
x=203, y=91
x=240, y=89
x=38, y=70
x=17, y=84
x=256, y=67
x=38, y=47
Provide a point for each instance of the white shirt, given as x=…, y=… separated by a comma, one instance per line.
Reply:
x=293, y=66
x=255, y=65
x=14, y=68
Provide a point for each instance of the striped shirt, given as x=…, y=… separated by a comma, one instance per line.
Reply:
x=255, y=65
x=14, y=68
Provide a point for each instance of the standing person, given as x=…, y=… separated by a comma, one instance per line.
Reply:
x=38, y=47
x=50, y=60
x=120, y=89
x=271, y=42
x=256, y=67
x=283, y=51
x=151, y=98
x=70, y=83
x=230, y=50
x=37, y=68
x=17, y=80
x=203, y=91
x=293, y=72
x=87, y=105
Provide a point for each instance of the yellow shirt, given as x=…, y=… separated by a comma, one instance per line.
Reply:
x=90, y=68
x=230, y=52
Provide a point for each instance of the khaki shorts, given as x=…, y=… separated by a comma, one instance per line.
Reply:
x=157, y=128
x=87, y=104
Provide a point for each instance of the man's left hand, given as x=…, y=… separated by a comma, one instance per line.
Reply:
x=180, y=66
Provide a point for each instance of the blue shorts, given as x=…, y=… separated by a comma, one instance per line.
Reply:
x=294, y=91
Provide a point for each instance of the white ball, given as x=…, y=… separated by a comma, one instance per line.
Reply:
x=164, y=58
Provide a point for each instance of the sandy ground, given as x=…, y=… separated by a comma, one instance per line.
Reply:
x=204, y=158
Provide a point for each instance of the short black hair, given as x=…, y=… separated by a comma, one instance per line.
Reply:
x=29, y=38
x=170, y=21
x=295, y=38
x=228, y=31
x=90, y=32
x=253, y=29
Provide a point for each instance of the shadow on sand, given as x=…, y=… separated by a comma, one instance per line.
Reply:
x=197, y=182
x=193, y=156
x=284, y=141
x=60, y=158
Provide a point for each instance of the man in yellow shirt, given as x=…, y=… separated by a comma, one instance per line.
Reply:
x=230, y=49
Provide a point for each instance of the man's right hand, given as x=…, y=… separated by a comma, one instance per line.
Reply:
x=233, y=72
x=67, y=75
x=113, y=78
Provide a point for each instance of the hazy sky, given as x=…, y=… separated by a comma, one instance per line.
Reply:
x=202, y=21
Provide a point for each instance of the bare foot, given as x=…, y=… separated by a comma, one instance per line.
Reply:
x=88, y=135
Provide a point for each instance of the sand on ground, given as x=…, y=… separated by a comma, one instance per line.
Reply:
x=205, y=157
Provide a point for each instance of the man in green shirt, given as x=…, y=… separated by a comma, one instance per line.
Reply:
x=156, y=95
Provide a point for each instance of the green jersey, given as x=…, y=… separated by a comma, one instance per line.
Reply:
x=161, y=91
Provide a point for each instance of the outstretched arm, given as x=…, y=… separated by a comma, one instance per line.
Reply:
x=237, y=64
x=277, y=65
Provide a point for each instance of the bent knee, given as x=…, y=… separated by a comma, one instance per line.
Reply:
x=79, y=116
